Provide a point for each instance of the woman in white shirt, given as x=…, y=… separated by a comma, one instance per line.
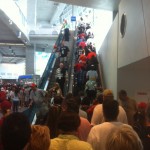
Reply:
x=15, y=98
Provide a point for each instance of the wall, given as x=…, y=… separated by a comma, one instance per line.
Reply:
x=11, y=71
x=132, y=47
x=146, y=10
x=135, y=78
x=132, y=52
x=108, y=57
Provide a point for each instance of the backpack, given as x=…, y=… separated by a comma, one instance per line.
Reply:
x=90, y=85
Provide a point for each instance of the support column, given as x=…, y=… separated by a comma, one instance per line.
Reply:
x=30, y=60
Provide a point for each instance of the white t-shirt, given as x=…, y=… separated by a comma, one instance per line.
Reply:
x=37, y=96
x=98, y=117
x=98, y=134
x=14, y=97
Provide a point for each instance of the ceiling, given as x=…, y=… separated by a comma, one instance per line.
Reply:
x=12, y=48
x=99, y=4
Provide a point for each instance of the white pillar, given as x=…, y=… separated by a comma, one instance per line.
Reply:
x=30, y=60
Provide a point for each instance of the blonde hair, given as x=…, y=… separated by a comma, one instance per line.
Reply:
x=124, y=138
x=40, y=138
x=108, y=94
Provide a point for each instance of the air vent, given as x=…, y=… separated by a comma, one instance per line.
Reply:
x=123, y=25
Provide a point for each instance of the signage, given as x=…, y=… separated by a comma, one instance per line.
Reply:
x=73, y=18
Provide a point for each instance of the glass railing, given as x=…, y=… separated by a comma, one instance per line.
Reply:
x=46, y=77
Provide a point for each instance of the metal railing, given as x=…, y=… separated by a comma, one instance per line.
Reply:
x=46, y=77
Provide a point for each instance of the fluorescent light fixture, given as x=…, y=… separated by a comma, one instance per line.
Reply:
x=12, y=44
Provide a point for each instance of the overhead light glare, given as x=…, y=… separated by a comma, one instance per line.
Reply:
x=12, y=44
x=10, y=22
x=19, y=34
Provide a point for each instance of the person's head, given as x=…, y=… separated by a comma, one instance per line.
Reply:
x=123, y=138
x=58, y=100
x=65, y=21
x=99, y=98
x=139, y=118
x=40, y=138
x=16, y=131
x=16, y=90
x=68, y=122
x=110, y=110
x=92, y=67
x=122, y=95
x=81, y=18
x=5, y=107
x=68, y=96
x=142, y=106
x=33, y=86
x=61, y=65
x=56, y=85
x=108, y=94
x=72, y=105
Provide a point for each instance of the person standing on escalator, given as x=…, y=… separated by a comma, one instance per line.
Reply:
x=66, y=27
x=64, y=50
x=61, y=76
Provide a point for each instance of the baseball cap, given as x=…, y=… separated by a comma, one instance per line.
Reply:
x=33, y=85
x=142, y=105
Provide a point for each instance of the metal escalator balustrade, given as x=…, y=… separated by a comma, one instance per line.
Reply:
x=46, y=77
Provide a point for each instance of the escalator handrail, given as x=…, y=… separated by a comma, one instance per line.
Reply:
x=48, y=69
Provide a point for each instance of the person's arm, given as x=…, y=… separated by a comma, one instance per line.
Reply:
x=57, y=72
x=87, y=75
x=31, y=98
x=68, y=50
x=97, y=116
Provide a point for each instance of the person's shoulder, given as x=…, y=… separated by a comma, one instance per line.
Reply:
x=132, y=100
x=121, y=108
x=80, y=145
x=100, y=126
x=98, y=107
x=126, y=126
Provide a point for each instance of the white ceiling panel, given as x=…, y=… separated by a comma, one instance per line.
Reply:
x=100, y=4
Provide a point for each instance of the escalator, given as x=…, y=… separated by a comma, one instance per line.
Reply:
x=98, y=68
x=68, y=66
x=45, y=80
x=50, y=67
x=48, y=77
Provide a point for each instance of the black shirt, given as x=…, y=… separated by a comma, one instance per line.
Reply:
x=64, y=51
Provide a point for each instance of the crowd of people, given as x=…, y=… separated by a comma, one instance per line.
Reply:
x=87, y=119
x=66, y=125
